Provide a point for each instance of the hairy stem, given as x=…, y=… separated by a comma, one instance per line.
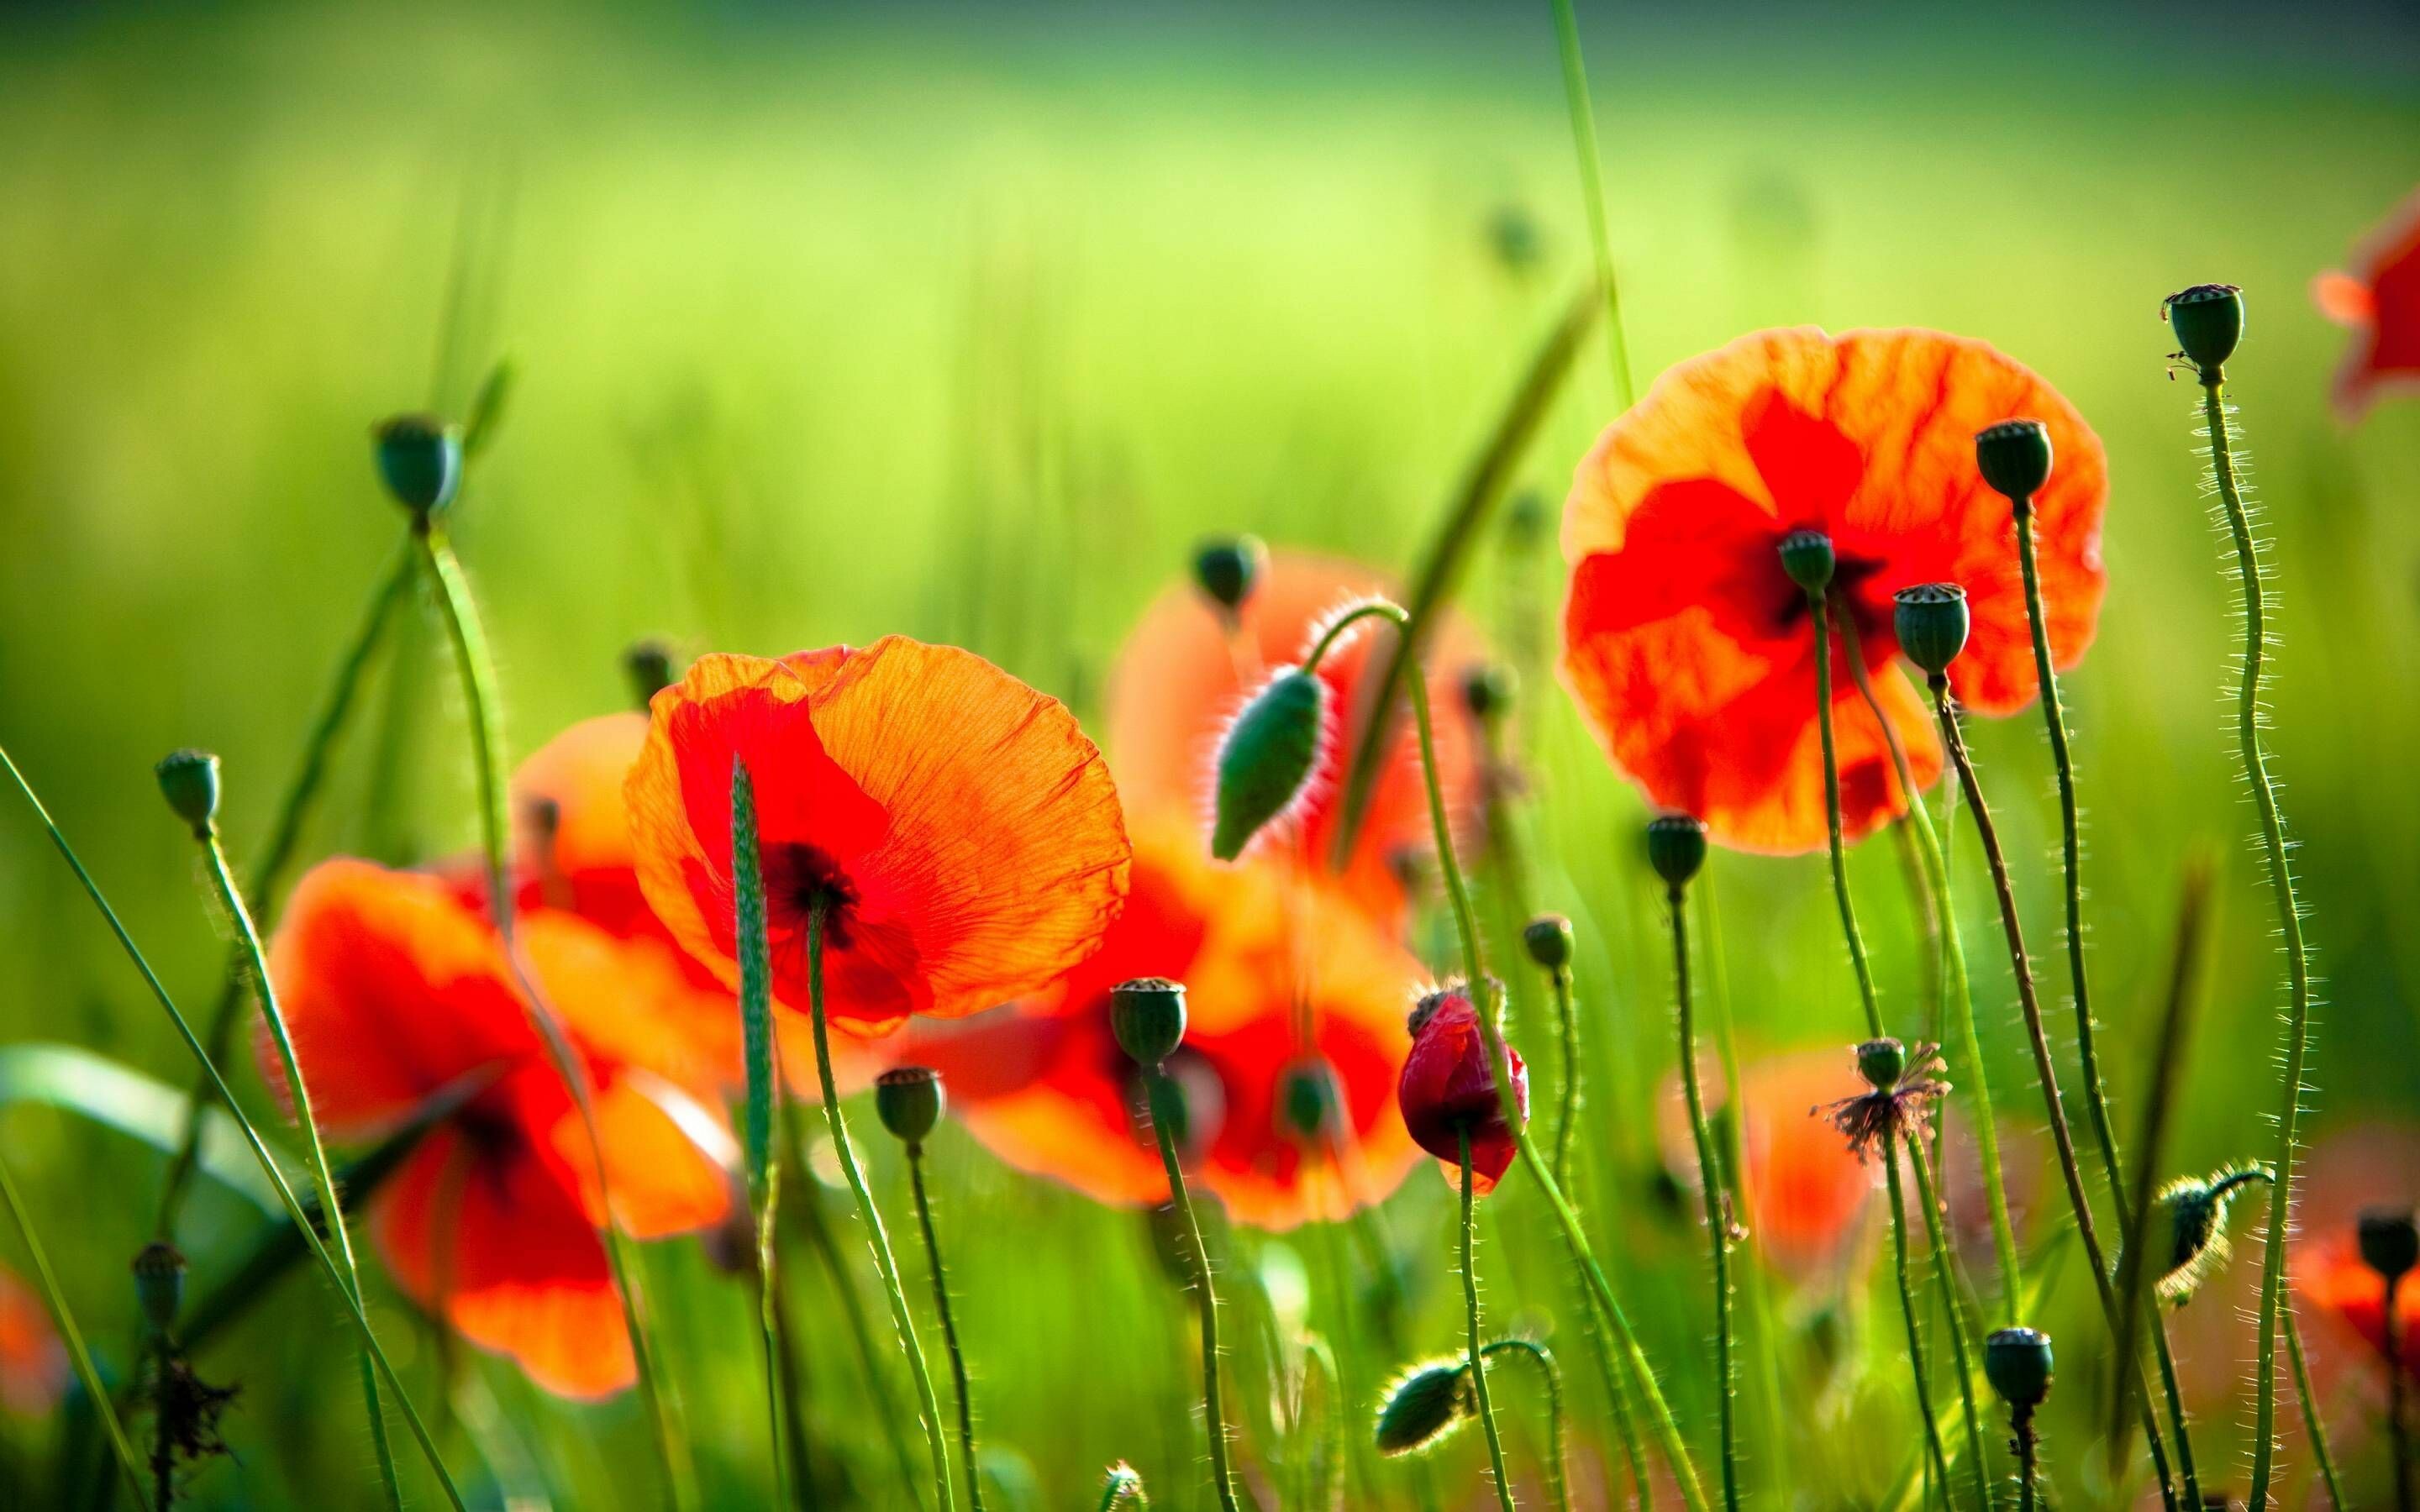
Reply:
x=1558, y=1483
x=764, y=1098
x=1164, y=1095
x=949, y=1326
x=1477, y=1355
x=1962, y=1347
x=1710, y=1185
x=1907, y=1312
x=2315, y=1427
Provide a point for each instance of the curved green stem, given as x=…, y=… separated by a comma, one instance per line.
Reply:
x=1567, y=1095
x=2289, y=924
x=949, y=1327
x=64, y=1319
x=1557, y=1481
x=2314, y=1425
x=1123, y=1486
x=1164, y=1096
x=1962, y=1345
x=1838, y=851
x=1907, y=1311
x=1476, y=1354
x=1576, y=95
x=1710, y=1185
x=322, y=1174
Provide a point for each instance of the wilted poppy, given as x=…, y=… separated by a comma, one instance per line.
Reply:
x=33, y=1362
x=1450, y=1089
x=1691, y=652
x=1805, y=1186
x=1045, y=1087
x=396, y=990
x=2379, y=303
x=1180, y=678
x=962, y=832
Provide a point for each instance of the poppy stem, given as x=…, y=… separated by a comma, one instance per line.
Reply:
x=277, y=855
x=2315, y=1427
x=2289, y=921
x=2021, y=1423
x=1709, y=1187
x=1166, y=1098
x=949, y=1324
x=1817, y=608
x=764, y=1100
x=1567, y=1097
x=1907, y=1310
x=1539, y=1356
x=1944, y=1270
x=1576, y=94
x=322, y=1174
x=1477, y=1353
x=875, y=1238
x=2395, y=1444
x=1123, y=1485
x=250, y=1133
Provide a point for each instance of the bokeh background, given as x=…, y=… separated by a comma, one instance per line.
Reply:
x=967, y=322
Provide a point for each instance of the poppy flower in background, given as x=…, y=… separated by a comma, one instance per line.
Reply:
x=2380, y=304
x=2357, y=1168
x=1804, y=1188
x=965, y=832
x=396, y=990
x=1046, y=1088
x=33, y=1361
x=1690, y=650
x=1448, y=1086
x=1179, y=680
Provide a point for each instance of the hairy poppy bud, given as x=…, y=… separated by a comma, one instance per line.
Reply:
x=1266, y=758
x=2195, y=1211
x=189, y=780
x=1931, y=621
x=1148, y=1016
x=2389, y=1243
x=1310, y=1098
x=1447, y=1088
x=1488, y=691
x=1806, y=556
x=2207, y=319
x=1228, y=570
x=1426, y=1403
x=1549, y=940
x=1882, y=1063
x=909, y=1102
x=2017, y=1363
x=2014, y=457
x=1676, y=847
x=420, y=456
x=650, y=666
x=159, y=1284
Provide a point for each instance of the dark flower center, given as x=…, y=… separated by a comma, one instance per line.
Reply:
x=798, y=876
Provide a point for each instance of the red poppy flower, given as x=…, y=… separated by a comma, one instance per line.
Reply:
x=2382, y=306
x=396, y=990
x=965, y=833
x=33, y=1361
x=1804, y=1188
x=1179, y=680
x=1046, y=1088
x=1691, y=652
x=2357, y=1168
x=1449, y=1087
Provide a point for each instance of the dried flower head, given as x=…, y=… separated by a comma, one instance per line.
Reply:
x=1899, y=1104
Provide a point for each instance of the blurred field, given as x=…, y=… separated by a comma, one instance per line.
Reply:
x=968, y=325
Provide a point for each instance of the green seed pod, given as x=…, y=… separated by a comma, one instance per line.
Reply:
x=2014, y=457
x=1267, y=757
x=1931, y=621
x=2017, y=1362
x=1806, y=556
x=420, y=456
x=2195, y=1210
x=160, y=1285
x=1312, y=1099
x=1228, y=570
x=1148, y=1016
x=1488, y=691
x=1549, y=940
x=649, y=667
x=189, y=780
x=1676, y=847
x=2389, y=1243
x=1424, y=1405
x=2207, y=319
x=909, y=1100
x=1882, y=1063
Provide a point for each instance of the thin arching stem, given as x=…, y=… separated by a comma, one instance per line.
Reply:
x=2315, y=1427
x=1907, y=1311
x=949, y=1326
x=1477, y=1353
x=1709, y=1187
x=1962, y=1349
x=1164, y=1095
x=1558, y=1483
x=1839, y=850
x=1567, y=1096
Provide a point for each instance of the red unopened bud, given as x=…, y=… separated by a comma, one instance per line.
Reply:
x=1449, y=1088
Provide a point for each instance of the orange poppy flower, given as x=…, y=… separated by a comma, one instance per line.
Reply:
x=33, y=1361
x=965, y=831
x=1178, y=681
x=2357, y=1168
x=1805, y=1189
x=1690, y=650
x=1046, y=1088
x=2382, y=306
x=396, y=990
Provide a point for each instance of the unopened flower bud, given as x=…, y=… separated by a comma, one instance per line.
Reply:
x=1148, y=1016
x=2207, y=319
x=1312, y=1099
x=420, y=456
x=1549, y=940
x=650, y=666
x=159, y=1283
x=1806, y=556
x=2389, y=1243
x=1882, y=1063
x=1488, y=689
x=2195, y=1210
x=1931, y=621
x=2017, y=1363
x=1676, y=847
x=909, y=1102
x=1228, y=570
x=1267, y=757
x=189, y=780
x=2014, y=457
x=1424, y=1405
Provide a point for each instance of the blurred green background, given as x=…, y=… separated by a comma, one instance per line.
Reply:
x=967, y=322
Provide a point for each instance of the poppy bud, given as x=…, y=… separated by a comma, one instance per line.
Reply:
x=2014, y=457
x=1549, y=940
x=2017, y=1363
x=1148, y=1016
x=1425, y=1403
x=1266, y=758
x=909, y=1102
x=650, y=666
x=189, y=780
x=1806, y=556
x=1227, y=570
x=2207, y=319
x=420, y=456
x=1882, y=1063
x=1488, y=689
x=1448, y=1089
x=2195, y=1211
x=1931, y=621
x=2389, y=1243
x=159, y=1283
x=1676, y=848
x=1310, y=1098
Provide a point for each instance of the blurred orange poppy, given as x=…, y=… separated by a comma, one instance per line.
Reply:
x=2381, y=305
x=1179, y=680
x=396, y=990
x=965, y=832
x=1046, y=1088
x=33, y=1361
x=1804, y=1188
x=2357, y=1168
x=1691, y=652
